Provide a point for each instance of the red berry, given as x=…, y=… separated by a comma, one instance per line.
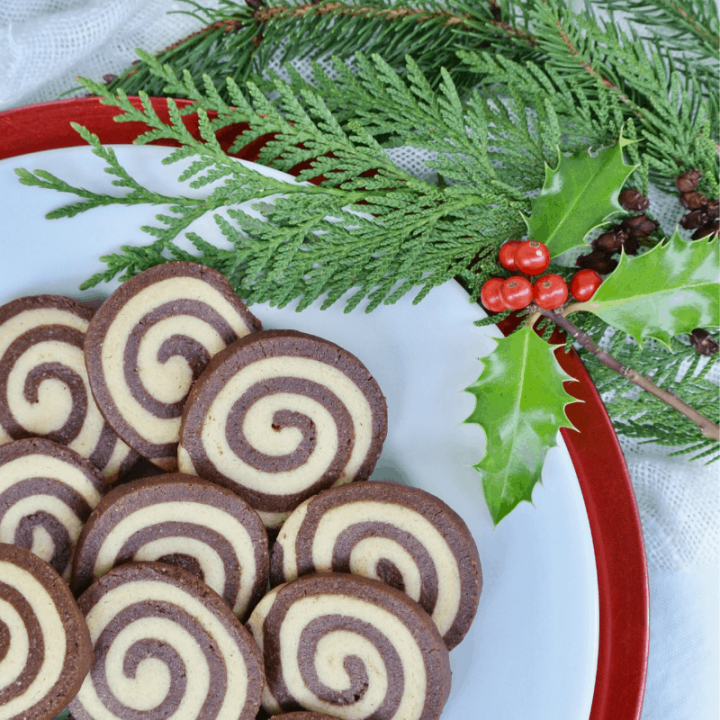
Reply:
x=517, y=292
x=532, y=257
x=550, y=292
x=584, y=284
x=491, y=297
x=507, y=254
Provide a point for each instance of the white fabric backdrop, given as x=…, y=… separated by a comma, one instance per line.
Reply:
x=45, y=44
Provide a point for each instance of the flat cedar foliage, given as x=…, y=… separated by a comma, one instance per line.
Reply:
x=492, y=91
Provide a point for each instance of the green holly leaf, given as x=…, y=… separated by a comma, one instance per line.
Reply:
x=579, y=195
x=521, y=406
x=671, y=289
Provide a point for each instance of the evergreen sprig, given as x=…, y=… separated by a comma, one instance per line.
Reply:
x=242, y=40
x=678, y=369
x=368, y=226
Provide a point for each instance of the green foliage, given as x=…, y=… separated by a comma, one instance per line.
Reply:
x=600, y=79
x=240, y=40
x=521, y=406
x=578, y=196
x=367, y=226
x=669, y=290
x=641, y=416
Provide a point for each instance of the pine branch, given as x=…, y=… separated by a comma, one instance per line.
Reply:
x=680, y=370
x=241, y=40
x=600, y=79
x=708, y=428
x=689, y=28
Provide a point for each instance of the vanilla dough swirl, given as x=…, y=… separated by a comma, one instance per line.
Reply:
x=45, y=649
x=47, y=492
x=400, y=535
x=181, y=520
x=352, y=648
x=150, y=341
x=44, y=388
x=166, y=646
x=279, y=416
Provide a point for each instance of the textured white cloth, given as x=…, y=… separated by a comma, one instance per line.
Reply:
x=45, y=44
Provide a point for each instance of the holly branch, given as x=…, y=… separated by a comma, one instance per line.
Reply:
x=707, y=427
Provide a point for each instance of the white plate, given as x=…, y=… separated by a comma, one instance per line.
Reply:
x=532, y=651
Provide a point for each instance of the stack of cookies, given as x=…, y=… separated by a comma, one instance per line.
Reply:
x=149, y=455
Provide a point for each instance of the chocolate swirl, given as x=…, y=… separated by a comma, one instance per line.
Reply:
x=45, y=649
x=47, y=492
x=184, y=521
x=150, y=341
x=279, y=416
x=44, y=389
x=403, y=536
x=352, y=648
x=165, y=646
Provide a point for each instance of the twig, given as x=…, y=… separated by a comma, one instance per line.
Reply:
x=708, y=428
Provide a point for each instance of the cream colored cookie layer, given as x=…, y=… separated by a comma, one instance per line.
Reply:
x=53, y=635
x=54, y=404
x=258, y=423
x=169, y=381
x=255, y=626
x=209, y=560
x=335, y=647
x=151, y=683
x=44, y=466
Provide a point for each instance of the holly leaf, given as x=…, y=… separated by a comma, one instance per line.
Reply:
x=521, y=406
x=579, y=195
x=671, y=289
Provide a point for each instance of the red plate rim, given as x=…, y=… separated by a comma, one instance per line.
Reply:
x=594, y=450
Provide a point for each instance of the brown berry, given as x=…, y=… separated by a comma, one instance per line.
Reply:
x=631, y=245
x=695, y=219
x=710, y=229
x=640, y=226
x=612, y=240
x=598, y=261
x=702, y=341
x=713, y=208
x=693, y=200
x=688, y=181
x=632, y=199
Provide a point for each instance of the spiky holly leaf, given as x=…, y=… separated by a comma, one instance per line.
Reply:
x=579, y=195
x=671, y=289
x=520, y=406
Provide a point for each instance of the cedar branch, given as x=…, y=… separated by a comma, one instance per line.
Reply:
x=708, y=428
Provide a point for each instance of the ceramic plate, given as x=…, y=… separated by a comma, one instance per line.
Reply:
x=538, y=649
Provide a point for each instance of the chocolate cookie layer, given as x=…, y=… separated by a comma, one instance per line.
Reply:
x=44, y=389
x=400, y=535
x=279, y=416
x=47, y=492
x=181, y=520
x=353, y=648
x=165, y=646
x=45, y=648
x=302, y=715
x=150, y=340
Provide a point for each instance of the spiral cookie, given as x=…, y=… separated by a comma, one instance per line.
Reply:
x=44, y=389
x=353, y=648
x=279, y=416
x=45, y=649
x=181, y=520
x=150, y=341
x=166, y=646
x=401, y=535
x=47, y=492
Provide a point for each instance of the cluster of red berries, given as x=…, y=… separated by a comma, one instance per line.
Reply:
x=548, y=292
